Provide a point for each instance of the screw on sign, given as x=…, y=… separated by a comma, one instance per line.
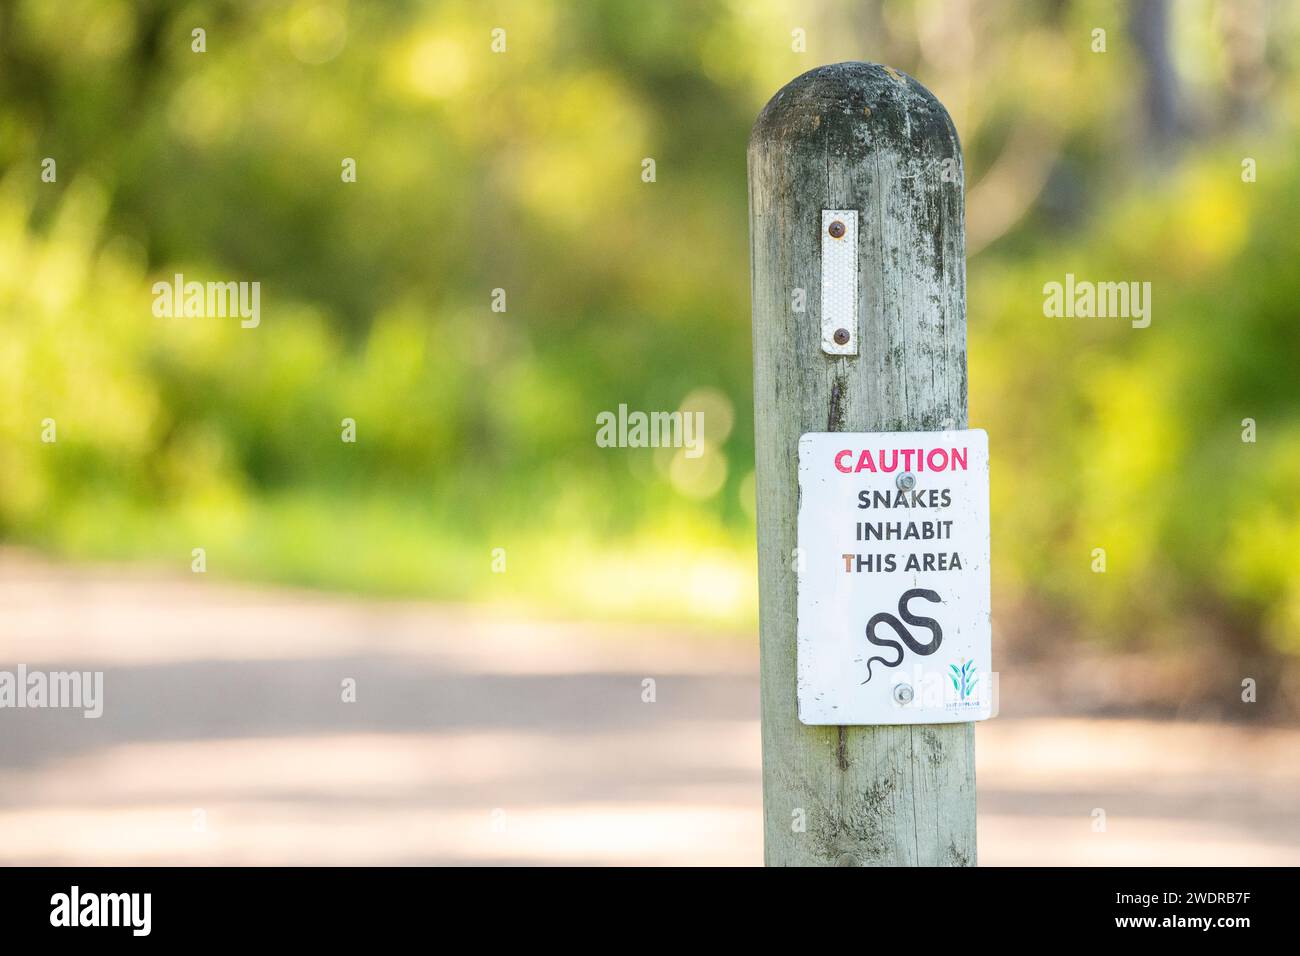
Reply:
x=864, y=461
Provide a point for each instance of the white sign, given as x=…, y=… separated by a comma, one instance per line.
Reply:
x=893, y=578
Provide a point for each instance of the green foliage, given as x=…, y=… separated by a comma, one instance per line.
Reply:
x=1131, y=440
x=522, y=171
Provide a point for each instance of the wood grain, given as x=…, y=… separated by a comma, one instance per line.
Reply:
x=853, y=136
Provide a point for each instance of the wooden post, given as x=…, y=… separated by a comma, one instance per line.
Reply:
x=853, y=136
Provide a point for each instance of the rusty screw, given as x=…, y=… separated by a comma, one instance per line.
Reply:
x=841, y=336
x=837, y=232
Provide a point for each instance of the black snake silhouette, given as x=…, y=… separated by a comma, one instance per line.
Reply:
x=904, y=634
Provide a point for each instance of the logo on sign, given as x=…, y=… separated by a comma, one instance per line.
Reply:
x=964, y=678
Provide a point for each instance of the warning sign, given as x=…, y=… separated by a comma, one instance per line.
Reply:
x=893, y=578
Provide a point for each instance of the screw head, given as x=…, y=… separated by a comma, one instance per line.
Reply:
x=906, y=481
x=903, y=693
x=841, y=336
x=836, y=230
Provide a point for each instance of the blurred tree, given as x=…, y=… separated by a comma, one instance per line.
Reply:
x=521, y=171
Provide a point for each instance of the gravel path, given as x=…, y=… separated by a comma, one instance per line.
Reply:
x=474, y=739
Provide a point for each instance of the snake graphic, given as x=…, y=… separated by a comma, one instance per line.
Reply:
x=903, y=633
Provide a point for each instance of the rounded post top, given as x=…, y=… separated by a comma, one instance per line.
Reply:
x=852, y=109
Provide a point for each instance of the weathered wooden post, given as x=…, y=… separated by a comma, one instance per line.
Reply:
x=858, y=277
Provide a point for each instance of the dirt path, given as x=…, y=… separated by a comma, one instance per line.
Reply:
x=224, y=739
